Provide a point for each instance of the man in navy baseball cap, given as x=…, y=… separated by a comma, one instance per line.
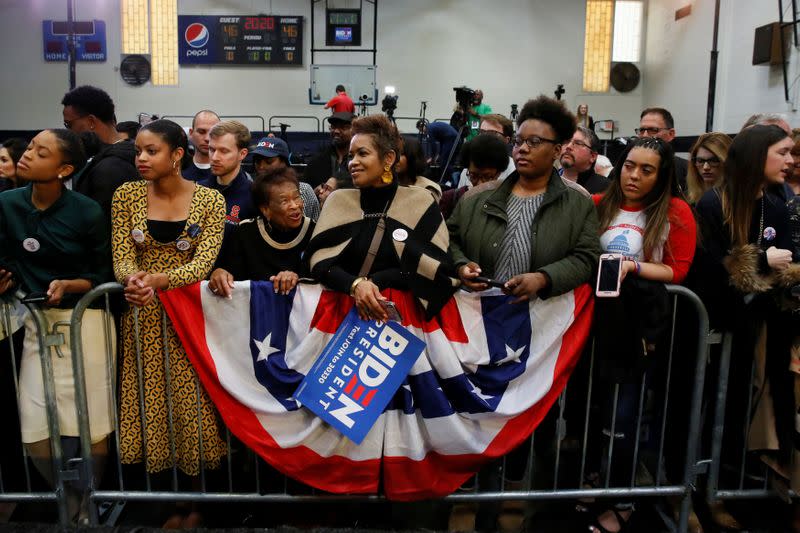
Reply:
x=269, y=154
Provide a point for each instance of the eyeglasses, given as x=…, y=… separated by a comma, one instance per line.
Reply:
x=580, y=144
x=68, y=123
x=498, y=134
x=532, y=142
x=480, y=177
x=649, y=131
x=713, y=162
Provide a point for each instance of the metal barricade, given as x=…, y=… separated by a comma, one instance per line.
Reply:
x=301, y=117
x=545, y=475
x=223, y=117
x=49, y=339
x=735, y=471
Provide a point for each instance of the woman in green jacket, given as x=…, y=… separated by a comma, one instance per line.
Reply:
x=532, y=232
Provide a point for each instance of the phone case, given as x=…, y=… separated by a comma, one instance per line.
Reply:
x=605, y=258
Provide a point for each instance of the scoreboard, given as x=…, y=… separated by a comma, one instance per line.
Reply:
x=237, y=40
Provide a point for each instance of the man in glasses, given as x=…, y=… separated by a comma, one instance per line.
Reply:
x=578, y=157
x=90, y=111
x=658, y=122
x=500, y=127
x=485, y=159
x=331, y=161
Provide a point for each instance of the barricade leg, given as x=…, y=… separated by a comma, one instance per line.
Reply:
x=47, y=455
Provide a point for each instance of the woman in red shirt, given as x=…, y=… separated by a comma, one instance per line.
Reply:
x=644, y=218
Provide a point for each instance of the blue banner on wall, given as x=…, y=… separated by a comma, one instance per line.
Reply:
x=90, y=40
x=357, y=374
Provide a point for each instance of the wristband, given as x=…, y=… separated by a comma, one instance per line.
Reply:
x=355, y=284
x=638, y=268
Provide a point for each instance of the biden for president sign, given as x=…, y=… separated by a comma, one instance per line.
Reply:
x=357, y=374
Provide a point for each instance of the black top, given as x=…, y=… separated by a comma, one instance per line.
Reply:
x=681, y=169
x=710, y=279
x=385, y=271
x=257, y=252
x=111, y=167
x=593, y=182
x=325, y=165
x=194, y=173
x=165, y=231
x=6, y=184
x=793, y=206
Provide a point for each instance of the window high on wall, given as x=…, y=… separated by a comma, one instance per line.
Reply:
x=613, y=33
x=151, y=27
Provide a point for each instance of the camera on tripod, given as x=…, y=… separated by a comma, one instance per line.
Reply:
x=464, y=97
x=389, y=104
x=363, y=98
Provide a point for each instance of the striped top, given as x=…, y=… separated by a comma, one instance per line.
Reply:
x=515, y=251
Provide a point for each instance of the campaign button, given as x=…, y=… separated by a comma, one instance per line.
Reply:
x=770, y=233
x=138, y=235
x=182, y=245
x=193, y=230
x=400, y=235
x=31, y=244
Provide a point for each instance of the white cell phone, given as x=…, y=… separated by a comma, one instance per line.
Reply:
x=609, y=275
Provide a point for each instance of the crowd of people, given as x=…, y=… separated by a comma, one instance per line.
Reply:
x=525, y=207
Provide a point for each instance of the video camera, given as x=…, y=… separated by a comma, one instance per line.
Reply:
x=464, y=97
x=363, y=98
x=389, y=104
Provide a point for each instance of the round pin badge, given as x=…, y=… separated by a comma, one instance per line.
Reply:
x=31, y=244
x=769, y=233
x=138, y=235
x=182, y=245
x=400, y=235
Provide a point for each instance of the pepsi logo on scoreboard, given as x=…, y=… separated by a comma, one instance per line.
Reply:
x=196, y=35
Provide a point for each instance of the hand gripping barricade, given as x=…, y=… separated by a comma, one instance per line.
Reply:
x=556, y=465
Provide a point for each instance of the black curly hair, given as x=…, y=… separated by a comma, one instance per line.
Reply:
x=89, y=100
x=552, y=112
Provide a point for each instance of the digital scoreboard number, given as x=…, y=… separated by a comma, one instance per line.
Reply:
x=250, y=40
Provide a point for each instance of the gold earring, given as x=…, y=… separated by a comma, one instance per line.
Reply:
x=174, y=164
x=387, y=177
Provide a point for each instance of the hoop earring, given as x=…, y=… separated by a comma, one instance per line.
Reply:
x=387, y=177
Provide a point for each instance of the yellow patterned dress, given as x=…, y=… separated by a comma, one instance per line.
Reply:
x=187, y=260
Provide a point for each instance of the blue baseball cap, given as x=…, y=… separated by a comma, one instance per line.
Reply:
x=272, y=147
